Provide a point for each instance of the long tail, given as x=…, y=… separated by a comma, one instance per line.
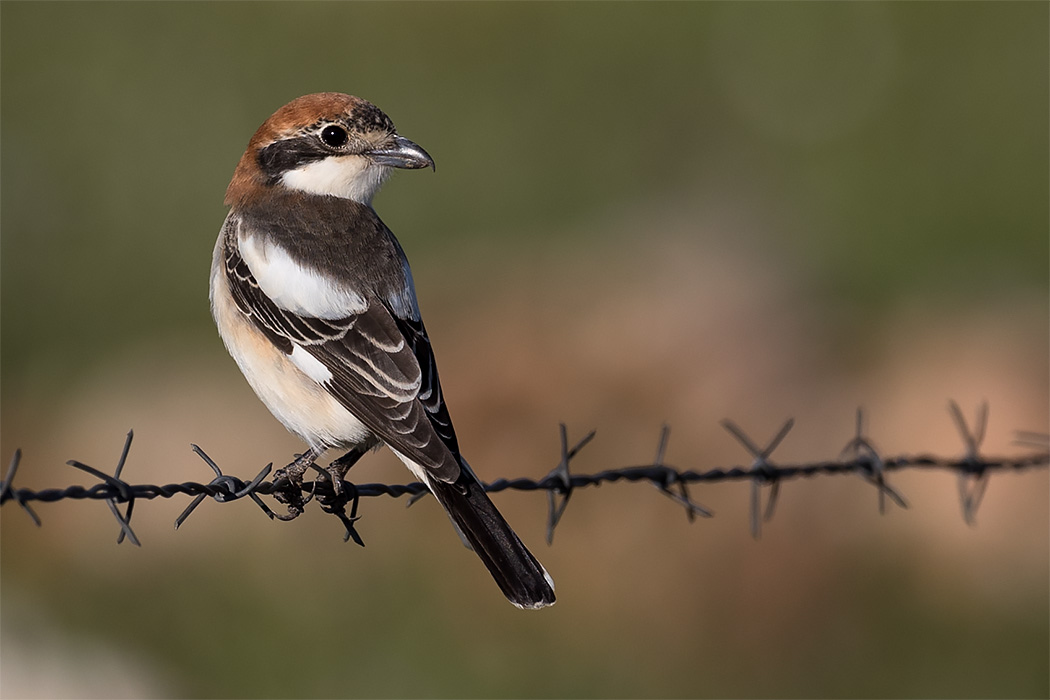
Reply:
x=521, y=578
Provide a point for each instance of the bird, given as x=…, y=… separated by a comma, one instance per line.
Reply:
x=313, y=298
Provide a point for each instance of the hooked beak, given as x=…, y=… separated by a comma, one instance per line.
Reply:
x=402, y=153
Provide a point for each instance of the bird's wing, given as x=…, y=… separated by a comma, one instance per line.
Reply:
x=379, y=367
x=430, y=386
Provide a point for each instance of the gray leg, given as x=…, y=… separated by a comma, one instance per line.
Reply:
x=294, y=471
x=339, y=467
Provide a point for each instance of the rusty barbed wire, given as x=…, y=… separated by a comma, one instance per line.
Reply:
x=859, y=456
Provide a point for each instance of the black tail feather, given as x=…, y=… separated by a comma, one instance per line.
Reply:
x=521, y=578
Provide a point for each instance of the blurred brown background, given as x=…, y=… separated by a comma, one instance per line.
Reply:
x=642, y=213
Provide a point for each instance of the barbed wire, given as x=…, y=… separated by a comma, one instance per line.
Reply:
x=859, y=456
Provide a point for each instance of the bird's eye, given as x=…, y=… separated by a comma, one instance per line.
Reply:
x=334, y=136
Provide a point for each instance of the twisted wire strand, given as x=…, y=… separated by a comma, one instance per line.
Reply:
x=858, y=457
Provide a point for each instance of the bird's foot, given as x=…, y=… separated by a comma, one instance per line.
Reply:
x=288, y=483
x=339, y=467
x=337, y=500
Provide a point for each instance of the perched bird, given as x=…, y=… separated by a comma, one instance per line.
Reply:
x=314, y=299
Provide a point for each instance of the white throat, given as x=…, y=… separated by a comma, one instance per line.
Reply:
x=349, y=177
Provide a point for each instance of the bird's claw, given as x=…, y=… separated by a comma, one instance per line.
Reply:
x=288, y=485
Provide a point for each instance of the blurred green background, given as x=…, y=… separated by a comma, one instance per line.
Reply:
x=642, y=213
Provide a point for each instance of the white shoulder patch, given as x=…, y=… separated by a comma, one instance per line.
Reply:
x=349, y=177
x=295, y=287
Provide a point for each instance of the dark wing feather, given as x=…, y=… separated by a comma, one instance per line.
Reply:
x=430, y=387
x=376, y=372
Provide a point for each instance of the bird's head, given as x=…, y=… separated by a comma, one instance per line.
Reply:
x=327, y=143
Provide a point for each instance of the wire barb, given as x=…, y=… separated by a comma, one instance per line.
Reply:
x=864, y=452
x=973, y=480
x=123, y=491
x=334, y=500
x=1030, y=438
x=560, y=481
x=763, y=470
x=5, y=488
x=224, y=488
x=671, y=477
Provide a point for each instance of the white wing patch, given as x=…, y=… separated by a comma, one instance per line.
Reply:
x=294, y=287
x=310, y=365
x=349, y=177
